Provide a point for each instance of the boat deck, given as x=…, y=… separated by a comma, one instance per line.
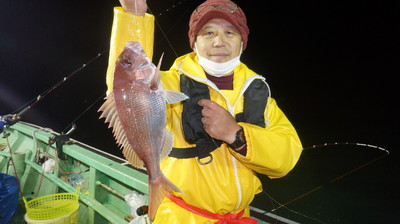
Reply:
x=343, y=183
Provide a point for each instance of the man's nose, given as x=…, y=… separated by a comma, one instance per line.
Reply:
x=219, y=40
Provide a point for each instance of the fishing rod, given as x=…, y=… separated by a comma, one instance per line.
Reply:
x=10, y=119
x=386, y=152
x=347, y=173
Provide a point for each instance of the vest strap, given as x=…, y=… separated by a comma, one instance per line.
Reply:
x=255, y=100
x=201, y=151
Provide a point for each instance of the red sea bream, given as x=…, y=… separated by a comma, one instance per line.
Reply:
x=136, y=110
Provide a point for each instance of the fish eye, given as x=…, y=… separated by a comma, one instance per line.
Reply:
x=126, y=63
x=129, y=63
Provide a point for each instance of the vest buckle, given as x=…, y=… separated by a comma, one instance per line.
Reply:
x=199, y=159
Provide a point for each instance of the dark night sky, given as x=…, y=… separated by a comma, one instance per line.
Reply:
x=331, y=66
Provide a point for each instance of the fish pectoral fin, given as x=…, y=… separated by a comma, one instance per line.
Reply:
x=175, y=96
x=158, y=188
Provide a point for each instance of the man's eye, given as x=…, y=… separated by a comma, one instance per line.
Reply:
x=231, y=33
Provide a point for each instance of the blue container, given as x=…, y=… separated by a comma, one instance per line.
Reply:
x=8, y=197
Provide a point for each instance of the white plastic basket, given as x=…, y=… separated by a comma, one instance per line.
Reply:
x=71, y=218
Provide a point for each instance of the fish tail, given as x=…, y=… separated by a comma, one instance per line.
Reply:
x=158, y=188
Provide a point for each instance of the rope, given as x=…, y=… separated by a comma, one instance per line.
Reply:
x=5, y=135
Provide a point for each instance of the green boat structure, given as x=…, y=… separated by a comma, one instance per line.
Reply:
x=104, y=180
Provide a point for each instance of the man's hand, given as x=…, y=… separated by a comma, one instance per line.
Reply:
x=218, y=122
x=136, y=7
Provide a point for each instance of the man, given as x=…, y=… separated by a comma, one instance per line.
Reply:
x=229, y=128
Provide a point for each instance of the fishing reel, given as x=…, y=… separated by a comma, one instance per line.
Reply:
x=60, y=140
x=8, y=120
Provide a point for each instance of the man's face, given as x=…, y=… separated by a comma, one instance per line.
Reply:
x=218, y=41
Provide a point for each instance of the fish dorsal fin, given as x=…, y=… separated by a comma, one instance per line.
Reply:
x=109, y=112
x=155, y=82
x=130, y=155
x=159, y=62
x=175, y=96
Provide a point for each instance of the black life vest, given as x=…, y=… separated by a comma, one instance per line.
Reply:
x=255, y=101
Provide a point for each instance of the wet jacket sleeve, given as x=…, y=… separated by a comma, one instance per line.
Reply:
x=128, y=27
x=273, y=150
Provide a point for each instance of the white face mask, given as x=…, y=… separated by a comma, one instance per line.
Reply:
x=218, y=69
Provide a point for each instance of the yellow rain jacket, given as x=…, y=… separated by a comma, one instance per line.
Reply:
x=229, y=182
